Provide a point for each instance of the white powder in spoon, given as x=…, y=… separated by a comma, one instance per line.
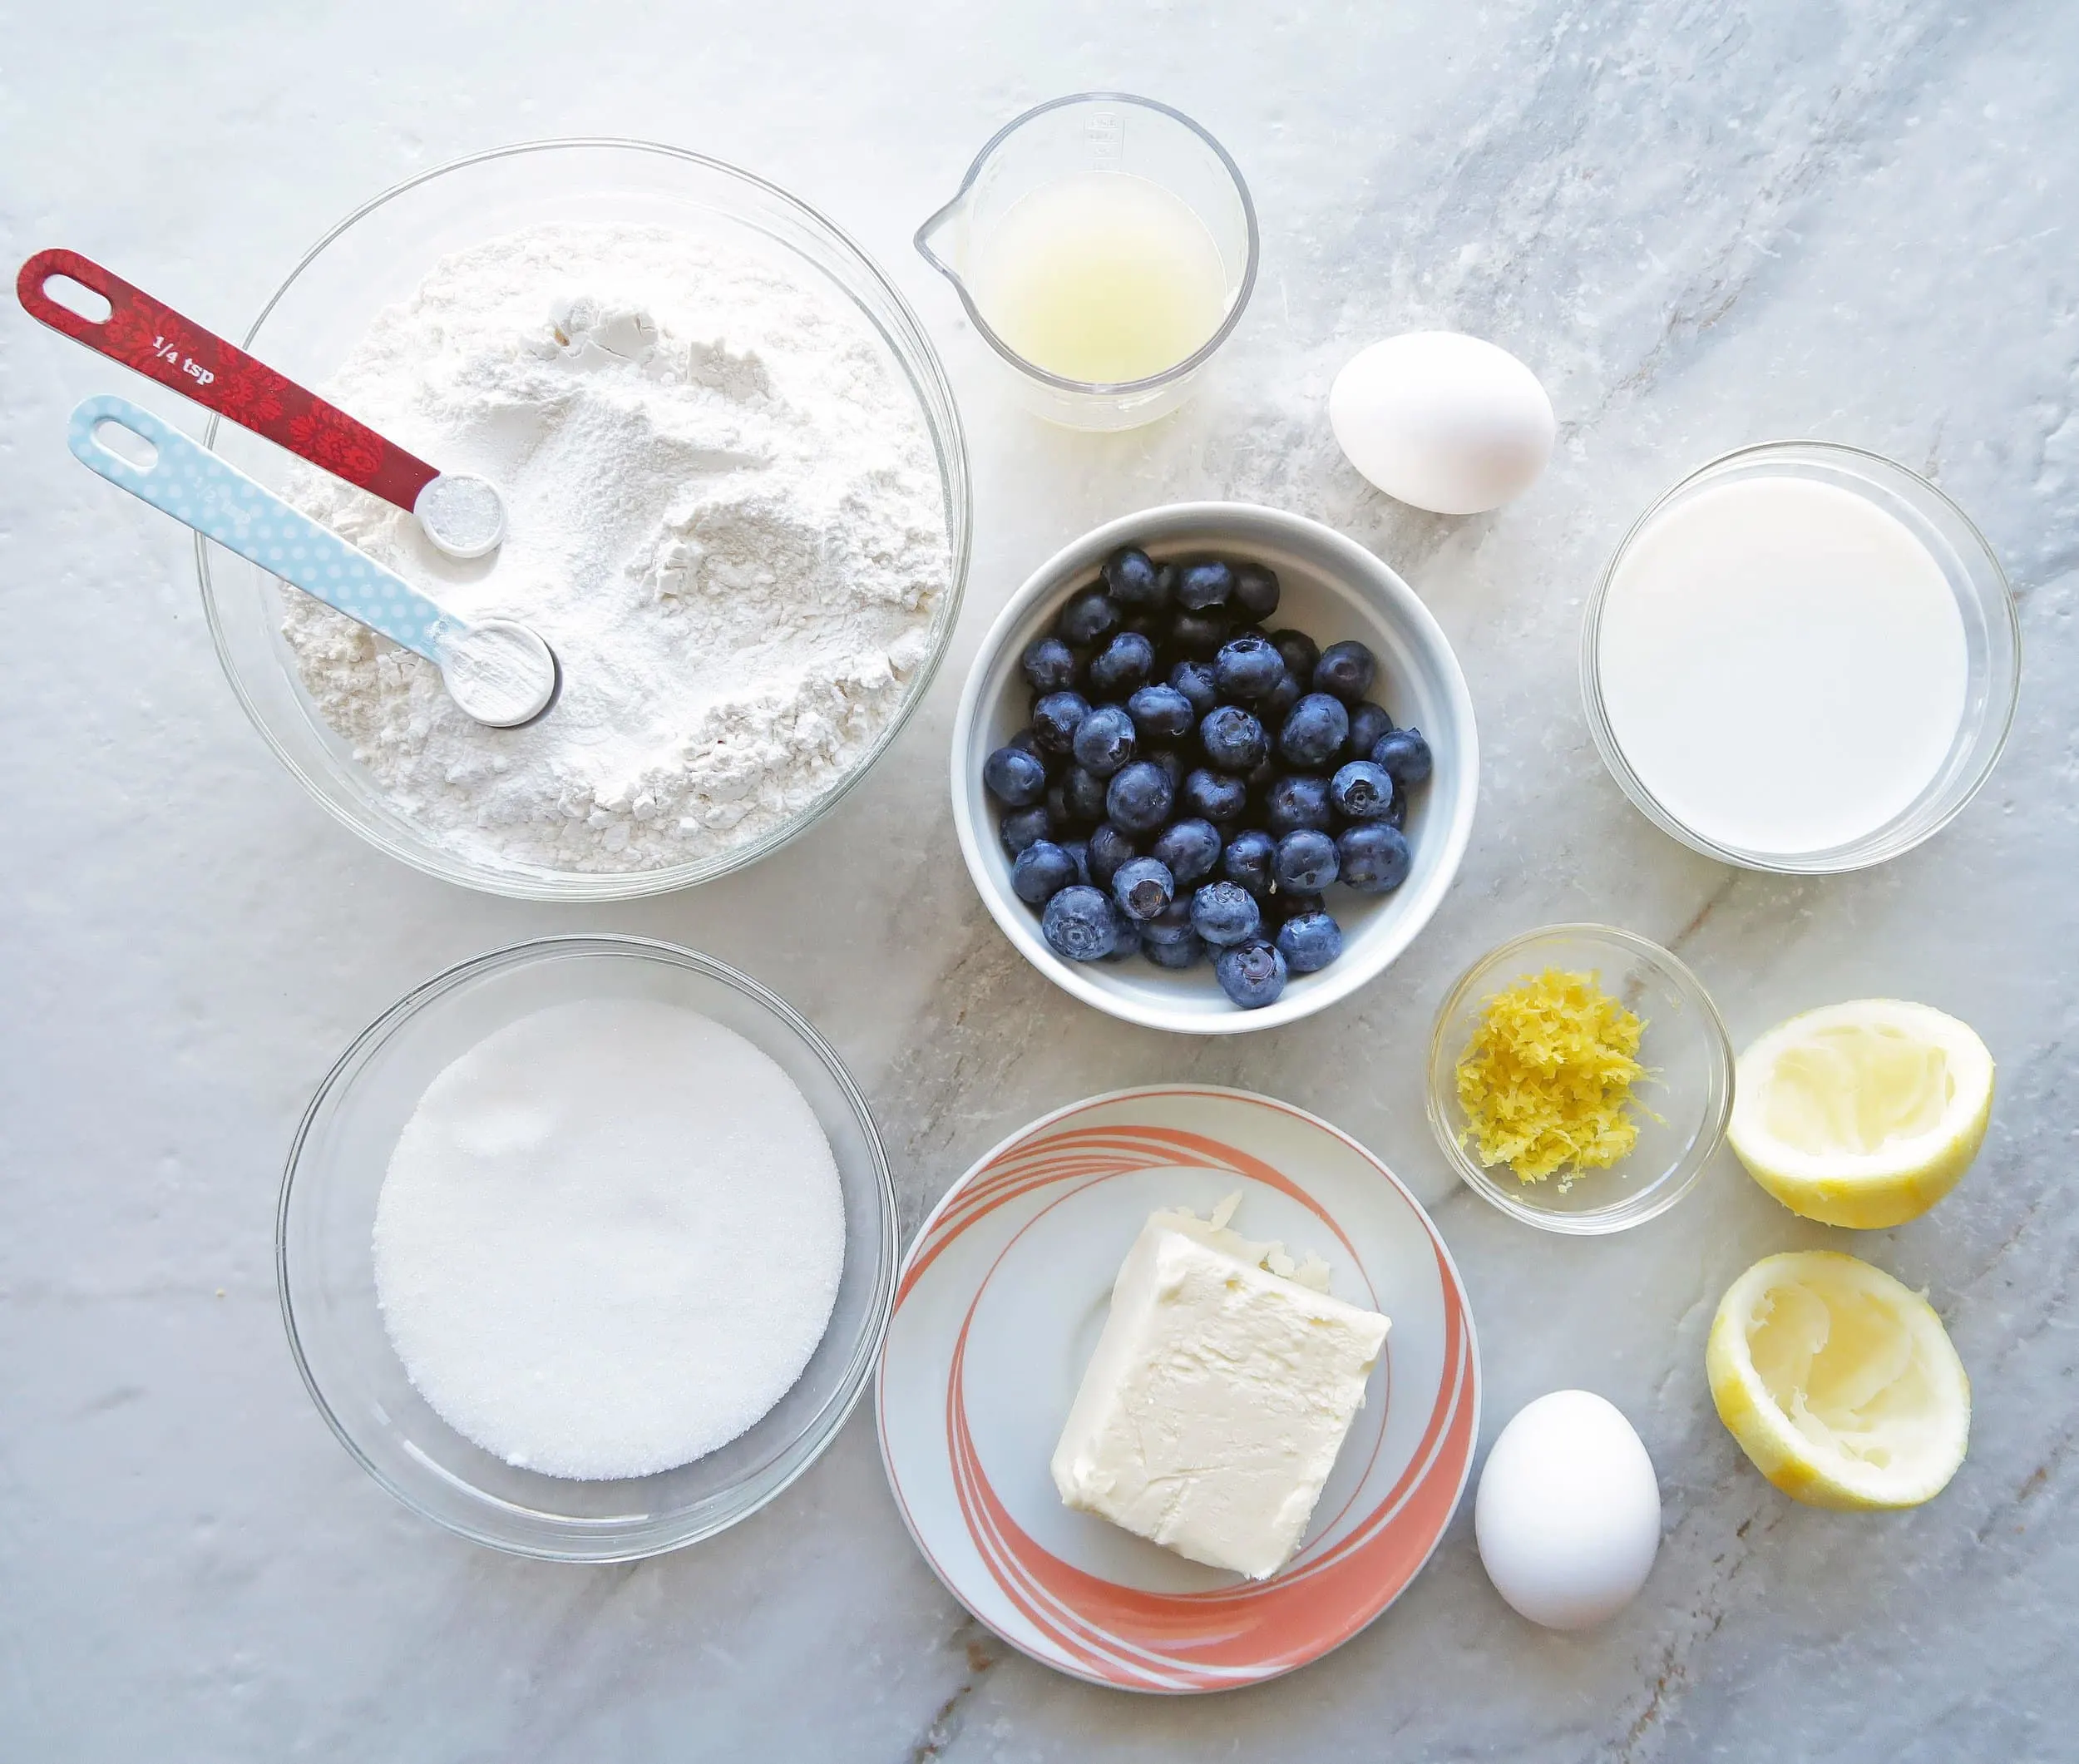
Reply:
x=609, y=1240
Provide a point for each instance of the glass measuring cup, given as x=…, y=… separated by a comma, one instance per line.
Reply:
x=1099, y=132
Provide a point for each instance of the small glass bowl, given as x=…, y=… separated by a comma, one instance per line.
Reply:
x=324, y=1261
x=375, y=258
x=1685, y=1050
x=1098, y=132
x=1991, y=632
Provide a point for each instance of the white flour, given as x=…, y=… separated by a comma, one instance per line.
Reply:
x=724, y=517
x=609, y=1239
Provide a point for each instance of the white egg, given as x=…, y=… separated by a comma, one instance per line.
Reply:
x=1442, y=420
x=1568, y=1514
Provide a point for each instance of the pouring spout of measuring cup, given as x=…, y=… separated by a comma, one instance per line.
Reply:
x=942, y=241
x=461, y=514
x=499, y=672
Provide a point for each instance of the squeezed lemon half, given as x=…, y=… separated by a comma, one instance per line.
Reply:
x=1841, y=1384
x=1862, y=1114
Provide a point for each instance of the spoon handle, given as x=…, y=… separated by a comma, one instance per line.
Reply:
x=183, y=479
x=157, y=342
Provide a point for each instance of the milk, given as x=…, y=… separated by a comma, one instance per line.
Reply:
x=1782, y=664
x=1101, y=277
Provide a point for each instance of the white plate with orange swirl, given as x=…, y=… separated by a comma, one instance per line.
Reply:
x=999, y=1304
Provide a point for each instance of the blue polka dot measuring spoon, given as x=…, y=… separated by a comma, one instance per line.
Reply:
x=499, y=672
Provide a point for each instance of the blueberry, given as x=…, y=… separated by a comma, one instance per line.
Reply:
x=1021, y=827
x=1059, y=815
x=1107, y=850
x=1202, y=585
x=1300, y=653
x=1271, y=708
x=1194, y=679
x=1283, y=907
x=1187, y=952
x=1139, y=798
x=1079, y=850
x=1042, y=871
x=1190, y=848
x=1131, y=575
x=1225, y=912
x=1234, y=741
x=1297, y=800
x=1213, y=796
x=1252, y=974
x=1403, y=755
x=1173, y=924
x=1078, y=923
x=1375, y=856
x=1346, y=670
x=1198, y=635
x=1150, y=622
x=1160, y=713
x=1361, y=791
x=1368, y=722
x=1263, y=774
x=1313, y=731
x=1246, y=667
x=1055, y=718
x=1027, y=741
x=1014, y=776
x=1143, y=886
x=1050, y=666
x=1089, y=616
x=1104, y=741
x=1122, y=666
x=1247, y=860
x=1171, y=763
x=1082, y=795
x=1126, y=936
x=1310, y=941
x=1306, y=861
x=1255, y=591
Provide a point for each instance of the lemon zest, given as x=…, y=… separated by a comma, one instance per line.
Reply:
x=1546, y=1079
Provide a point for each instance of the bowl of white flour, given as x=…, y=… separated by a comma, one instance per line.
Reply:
x=586, y=1248
x=736, y=501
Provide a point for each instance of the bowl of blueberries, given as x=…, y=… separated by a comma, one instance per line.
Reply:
x=1214, y=767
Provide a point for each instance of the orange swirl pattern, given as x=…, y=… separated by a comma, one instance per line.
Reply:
x=1180, y=1642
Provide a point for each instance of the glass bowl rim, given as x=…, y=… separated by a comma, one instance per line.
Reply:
x=1967, y=787
x=1671, y=1184
x=928, y=386
x=858, y=1371
x=1099, y=388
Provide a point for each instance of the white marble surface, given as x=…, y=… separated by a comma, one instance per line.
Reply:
x=1704, y=224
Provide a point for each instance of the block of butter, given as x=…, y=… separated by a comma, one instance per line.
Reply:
x=1220, y=1390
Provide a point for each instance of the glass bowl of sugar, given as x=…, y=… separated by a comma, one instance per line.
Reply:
x=1803, y=659
x=737, y=502
x=566, y=1291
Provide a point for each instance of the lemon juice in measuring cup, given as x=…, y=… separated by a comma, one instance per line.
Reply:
x=1104, y=246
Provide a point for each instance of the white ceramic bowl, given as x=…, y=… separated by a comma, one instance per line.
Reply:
x=1333, y=589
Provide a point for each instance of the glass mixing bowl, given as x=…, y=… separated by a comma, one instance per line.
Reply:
x=376, y=257
x=1682, y=1110
x=324, y=1260
x=1992, y=635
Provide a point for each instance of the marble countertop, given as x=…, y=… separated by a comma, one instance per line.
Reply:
x=1703, y=226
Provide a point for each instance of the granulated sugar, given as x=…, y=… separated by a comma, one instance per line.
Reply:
x=724, y=514
x=609, y=1240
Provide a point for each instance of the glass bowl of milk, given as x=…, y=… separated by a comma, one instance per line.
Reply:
x=1804, y=658
x=1104, y=246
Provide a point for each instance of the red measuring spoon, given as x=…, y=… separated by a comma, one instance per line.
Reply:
x=461, y=513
